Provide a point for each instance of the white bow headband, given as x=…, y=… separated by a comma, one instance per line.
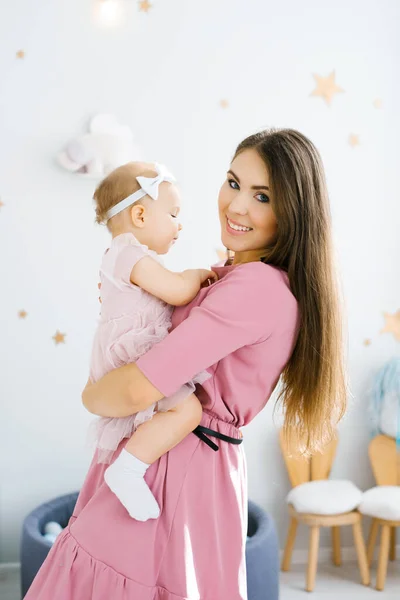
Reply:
x=149, y=187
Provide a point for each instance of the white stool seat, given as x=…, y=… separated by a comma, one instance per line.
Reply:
x=325, y=497
x=382, y=502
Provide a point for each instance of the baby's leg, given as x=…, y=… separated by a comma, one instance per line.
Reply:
x=165, y=430
x=125, y=476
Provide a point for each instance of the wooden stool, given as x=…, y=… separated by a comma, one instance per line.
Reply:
x=309, y=473
x=385, y=498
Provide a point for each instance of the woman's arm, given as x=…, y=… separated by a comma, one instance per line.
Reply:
x=176, y=289
x=122, y=392
x=241, y=309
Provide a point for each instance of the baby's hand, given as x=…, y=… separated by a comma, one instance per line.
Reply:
x=207, y=277
x=196, y=279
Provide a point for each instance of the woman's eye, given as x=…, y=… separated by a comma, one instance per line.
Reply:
x=262, y=198
x=233, y=184
x=174, y=216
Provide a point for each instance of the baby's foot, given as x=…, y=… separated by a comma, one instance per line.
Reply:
x=125, y=477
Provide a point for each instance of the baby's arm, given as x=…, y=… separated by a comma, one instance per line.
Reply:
x=165, y=430
x=176, y=289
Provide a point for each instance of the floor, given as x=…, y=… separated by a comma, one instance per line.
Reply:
x=329, y=585
x=9, y=584
x=339, y=583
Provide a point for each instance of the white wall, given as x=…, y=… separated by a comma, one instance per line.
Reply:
x=164, y=74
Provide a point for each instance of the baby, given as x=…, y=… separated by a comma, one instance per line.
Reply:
x=140, y=205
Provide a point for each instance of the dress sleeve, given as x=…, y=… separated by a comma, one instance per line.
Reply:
x=128, y=256
x=241, y=309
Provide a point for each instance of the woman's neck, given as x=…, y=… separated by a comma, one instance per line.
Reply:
x=241, y=258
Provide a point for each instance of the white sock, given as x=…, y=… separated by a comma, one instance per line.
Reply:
x=125, y=477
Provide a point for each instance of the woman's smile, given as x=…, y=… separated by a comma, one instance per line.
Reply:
x=235, y=228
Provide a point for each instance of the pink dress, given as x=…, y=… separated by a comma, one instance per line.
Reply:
x=131, y=322
x=243, y=330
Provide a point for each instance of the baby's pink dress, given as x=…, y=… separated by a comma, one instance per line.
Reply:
x=131, y=322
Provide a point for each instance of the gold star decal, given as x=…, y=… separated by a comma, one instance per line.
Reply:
x=354, y=140
x=326, y=87
x=59, y=338
x=367, y=342
x=145, y=6
x=378, y=103
x=392, y=324
x=224, y=103
x=22, y=314
x=222, y=255
x=1, y=204
x=20, y=54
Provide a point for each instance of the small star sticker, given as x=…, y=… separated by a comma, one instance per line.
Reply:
x=354, y=140
x=22, y=314
x=59, y=338
x=222, y=255
x=392, y=324
x=20, y=54
x=224, y=103
x=326, y=87
x=145, y=6
x=367, y=342
x=378, y=103
x=1, y=204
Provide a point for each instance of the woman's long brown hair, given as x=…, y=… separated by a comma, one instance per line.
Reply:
x=314, y=390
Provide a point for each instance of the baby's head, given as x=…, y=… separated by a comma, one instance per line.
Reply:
x=154, y=222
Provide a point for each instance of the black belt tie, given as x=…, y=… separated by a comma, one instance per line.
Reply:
x=200, y=431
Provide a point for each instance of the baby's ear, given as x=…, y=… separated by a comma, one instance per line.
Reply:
x=138, y=215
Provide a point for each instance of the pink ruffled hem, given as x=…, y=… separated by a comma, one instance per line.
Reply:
x=70, y=573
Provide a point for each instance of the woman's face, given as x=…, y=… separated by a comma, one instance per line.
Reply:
x=248, y=222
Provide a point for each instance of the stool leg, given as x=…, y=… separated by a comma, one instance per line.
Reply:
x=393, y=544
x=287, y=554
x=372, y=541
x=337, y=559
x=361, y=554
x=312, y=558
x=383, y=558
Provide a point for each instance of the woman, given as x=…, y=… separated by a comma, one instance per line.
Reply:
x=274, y=311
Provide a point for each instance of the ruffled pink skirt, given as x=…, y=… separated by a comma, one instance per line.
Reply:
x=119, y=342
x=105, y=434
